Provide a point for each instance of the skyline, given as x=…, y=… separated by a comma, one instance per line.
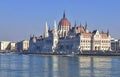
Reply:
x=19, y=19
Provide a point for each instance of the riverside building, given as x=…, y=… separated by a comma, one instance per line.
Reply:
x=115, y=44
x=23, y=45
x=7, y=46
x=68, y=39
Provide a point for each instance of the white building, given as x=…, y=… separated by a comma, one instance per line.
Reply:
x=4, y=45
x=67, y=39
x=7, y=45
x=115, y=44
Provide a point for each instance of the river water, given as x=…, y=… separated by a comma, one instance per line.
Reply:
x=58, y=66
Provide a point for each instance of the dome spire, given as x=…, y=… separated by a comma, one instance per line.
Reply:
x=64, y=14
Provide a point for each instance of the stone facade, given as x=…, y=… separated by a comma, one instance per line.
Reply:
x=67, y=39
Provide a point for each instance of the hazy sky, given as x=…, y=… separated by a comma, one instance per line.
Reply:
x=20, y=18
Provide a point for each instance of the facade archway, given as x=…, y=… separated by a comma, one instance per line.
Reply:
x=95, y=47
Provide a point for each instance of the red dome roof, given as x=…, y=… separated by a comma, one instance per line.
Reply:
x=64, y=22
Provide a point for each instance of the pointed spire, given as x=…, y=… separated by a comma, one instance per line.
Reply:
x=55, y=28
x=80, y=25
x=86, y=27
x=102, y=32
x=108, y=32
x=64, y=14
x=55, y=25
x=75, y=28
x=80, y=28
x=46, y=24
x=55, y=34
x=75, y=24
x=46, y=30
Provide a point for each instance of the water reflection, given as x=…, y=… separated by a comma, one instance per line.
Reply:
x=58, y=66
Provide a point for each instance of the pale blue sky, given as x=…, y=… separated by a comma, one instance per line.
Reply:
x=20, y=18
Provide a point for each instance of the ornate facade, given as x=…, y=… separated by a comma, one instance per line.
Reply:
x=67, y=39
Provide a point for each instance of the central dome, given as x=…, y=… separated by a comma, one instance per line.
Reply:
x=64, y=21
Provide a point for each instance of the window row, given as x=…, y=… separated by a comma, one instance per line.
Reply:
x=85, y=41
x=85, y=46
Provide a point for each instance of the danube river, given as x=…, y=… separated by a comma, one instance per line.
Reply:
x=58, y=66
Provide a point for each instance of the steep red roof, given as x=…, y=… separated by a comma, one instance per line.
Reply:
x=104, y=35
x=87, y=35
x=64, y=22
x=80, y=29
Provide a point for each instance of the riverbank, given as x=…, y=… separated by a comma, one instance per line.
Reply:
x=85, y=53
x=73, y=54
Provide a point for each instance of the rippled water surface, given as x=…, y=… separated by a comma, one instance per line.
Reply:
x=58, y=66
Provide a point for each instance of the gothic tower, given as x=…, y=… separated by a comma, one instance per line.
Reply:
x=86, y=28
x=46, y=34
x=55, y=36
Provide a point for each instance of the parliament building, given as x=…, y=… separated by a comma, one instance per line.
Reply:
x=67, y=38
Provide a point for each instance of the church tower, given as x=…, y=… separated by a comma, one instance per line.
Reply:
x=55, y=37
